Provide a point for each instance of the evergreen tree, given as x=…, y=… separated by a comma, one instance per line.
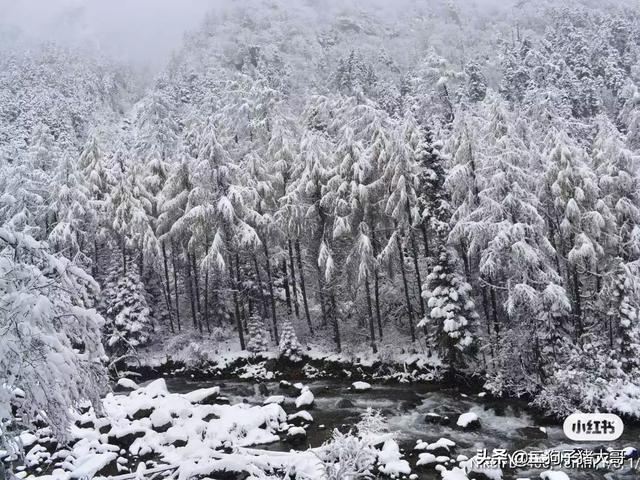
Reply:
x=289, y=346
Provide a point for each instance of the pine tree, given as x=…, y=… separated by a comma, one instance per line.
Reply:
x=289, y=346
x=450, y=309
x=124, y=306
x=256, y=343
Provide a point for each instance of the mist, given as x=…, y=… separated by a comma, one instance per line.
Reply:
x=142, y=32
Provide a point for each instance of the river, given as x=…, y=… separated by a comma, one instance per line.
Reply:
x=405, y=407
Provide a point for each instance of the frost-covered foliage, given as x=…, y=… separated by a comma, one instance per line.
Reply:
x=289, y=346
x=124, y=306
x=51, y=357
x=354, y=454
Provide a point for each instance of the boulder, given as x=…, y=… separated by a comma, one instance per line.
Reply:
x=296, y=435
x=468, y=421
x=437, y=419
x=360, y=386
x=344, y=403
x=141, y=413
x=123, y=440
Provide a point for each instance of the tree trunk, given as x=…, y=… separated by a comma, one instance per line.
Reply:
x=376, y=280
x=167, y=286
x=285, y=284
x=321, y=297
x=414, y=251
x=294, y=285
x=303, y=287
x=263, y=300
x=494, y=308
x=236, y=306
x=192, y=300
x=372, y=330
x=487, y=314
x=207, y=312
x=124, y=256
x=240, y=291
x=577, y=303
x=175, y=283
x=206, y=300
x=334, y=319
x=196, y=283
x=274, y=318
x=406, y=289
x=95, y=269
x=425, y=238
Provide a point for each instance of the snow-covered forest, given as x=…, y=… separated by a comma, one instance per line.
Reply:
x=449, y=185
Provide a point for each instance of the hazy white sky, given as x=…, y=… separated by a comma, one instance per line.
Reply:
x=145, y=31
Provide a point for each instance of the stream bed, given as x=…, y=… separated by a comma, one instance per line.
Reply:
x=503, y=422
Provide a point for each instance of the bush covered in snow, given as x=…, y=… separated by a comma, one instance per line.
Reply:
x=354, y=454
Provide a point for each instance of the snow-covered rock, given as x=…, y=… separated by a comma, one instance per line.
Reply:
x=553, y=475
x=344, y=403
x=305, y=399
x=390, y=460
x=455, y=473
x=203, y=395
x=427, y=458
x=296, y=435
x=284, y=385
x=127, y=383
x=468, y=421
x=277, y=399
x=360, y=386
x=472, y=468
x=437, y=419
x=442, y=446
x=91, y=464
x=301, y=416
x=27, y=439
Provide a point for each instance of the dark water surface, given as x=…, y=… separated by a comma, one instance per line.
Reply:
x=405, y=407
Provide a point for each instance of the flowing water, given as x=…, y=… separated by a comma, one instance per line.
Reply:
x=405, y=407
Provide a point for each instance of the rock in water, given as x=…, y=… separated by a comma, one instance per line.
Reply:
x=360, y=386
x=533, y=432
x=344, y=403
x=468, y=421
x=305, y=399
x=296, y=435
x=436, y=419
